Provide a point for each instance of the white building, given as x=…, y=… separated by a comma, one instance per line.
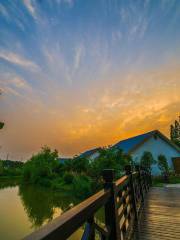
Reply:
x=154, y=142
x=91, y=154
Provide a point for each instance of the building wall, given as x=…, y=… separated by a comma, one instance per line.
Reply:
x=156, y=147
x=93, y=156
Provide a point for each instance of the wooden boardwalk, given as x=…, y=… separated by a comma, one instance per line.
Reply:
x=127, y=202
x=160, y=217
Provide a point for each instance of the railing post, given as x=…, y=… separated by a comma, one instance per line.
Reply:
x=131, y=184
x=92, y=229
x=138, y=170
x=144, y=177
x=111, y=214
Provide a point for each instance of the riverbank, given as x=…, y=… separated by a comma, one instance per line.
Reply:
x=79, y=187
x=9, y=181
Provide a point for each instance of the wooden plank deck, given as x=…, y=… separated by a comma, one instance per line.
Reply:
x=160, y=217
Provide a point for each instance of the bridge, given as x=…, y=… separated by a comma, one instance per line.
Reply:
x=132, y=210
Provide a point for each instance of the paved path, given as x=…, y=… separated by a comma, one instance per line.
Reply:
x=160, y=218
x=177, y=185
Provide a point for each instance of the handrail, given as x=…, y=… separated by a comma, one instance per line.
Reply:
x=121, y=199
x=121, y=180
x=62, y=225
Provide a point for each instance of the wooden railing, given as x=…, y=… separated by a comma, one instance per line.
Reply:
x=122, y=201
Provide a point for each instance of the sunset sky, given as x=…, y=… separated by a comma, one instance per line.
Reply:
x=78, y=74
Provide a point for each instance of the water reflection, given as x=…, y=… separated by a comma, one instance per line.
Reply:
x=33, y=206
x=9, y=182
x=43, y=205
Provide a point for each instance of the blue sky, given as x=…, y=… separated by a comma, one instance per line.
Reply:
x=77, y=74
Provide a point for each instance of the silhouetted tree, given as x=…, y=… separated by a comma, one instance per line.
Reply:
x=163, y=166
x=175, y=132
x=147, y=160
x=1, y=125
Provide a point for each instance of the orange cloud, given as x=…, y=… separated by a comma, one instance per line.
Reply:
x=123, y=107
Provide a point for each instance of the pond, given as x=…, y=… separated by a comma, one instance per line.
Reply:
x=24, y=209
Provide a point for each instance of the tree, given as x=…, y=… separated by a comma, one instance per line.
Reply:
x=109, y=158
x=163, y=164
x=41, y=166
x=80, y=164
x=147, y=160
x=1, y=168
x=175, y=132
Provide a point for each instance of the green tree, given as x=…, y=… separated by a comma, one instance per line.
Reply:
x=82, y=186
x=76, y=165
x=68, y=166
x=41, y=167
x=68, y=178
x=1, y=168
x=175, y=132
x=163, y=164
x=80, y=164
x=147, y=160
x=109, y=158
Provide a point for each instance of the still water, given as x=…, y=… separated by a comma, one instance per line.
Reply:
x=24, y=209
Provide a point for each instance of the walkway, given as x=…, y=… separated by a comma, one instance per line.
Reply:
x=160, y=218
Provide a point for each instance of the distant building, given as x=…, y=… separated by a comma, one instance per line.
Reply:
x=91, y=154
x=63, y=160
x=154, y=142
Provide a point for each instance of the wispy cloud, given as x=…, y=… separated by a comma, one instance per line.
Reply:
x=18, y=60
x=139, y=29
x=15, y=85
x=4, y=12
x=166, y=5
x=30, y=7
x=116, y=35
x=20, y=83
x=69, y=2
x=124, y=14
x=79, y=53
x=57, y=67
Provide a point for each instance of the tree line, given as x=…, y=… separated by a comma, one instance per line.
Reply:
x=79, y=174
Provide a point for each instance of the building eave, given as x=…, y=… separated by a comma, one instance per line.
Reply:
x=154, y=133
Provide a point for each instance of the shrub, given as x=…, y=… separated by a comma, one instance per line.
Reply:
x=68, y=178
x=44, y=182
x=163, y=164
x=82, y=186
x=41, y=165
x=109, y=158
x=147, y=160
x=57, y=183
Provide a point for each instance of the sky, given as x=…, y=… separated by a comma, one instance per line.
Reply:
x=79, y=74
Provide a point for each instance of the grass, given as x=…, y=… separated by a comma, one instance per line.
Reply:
x=158, y=181
x=9, y=177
